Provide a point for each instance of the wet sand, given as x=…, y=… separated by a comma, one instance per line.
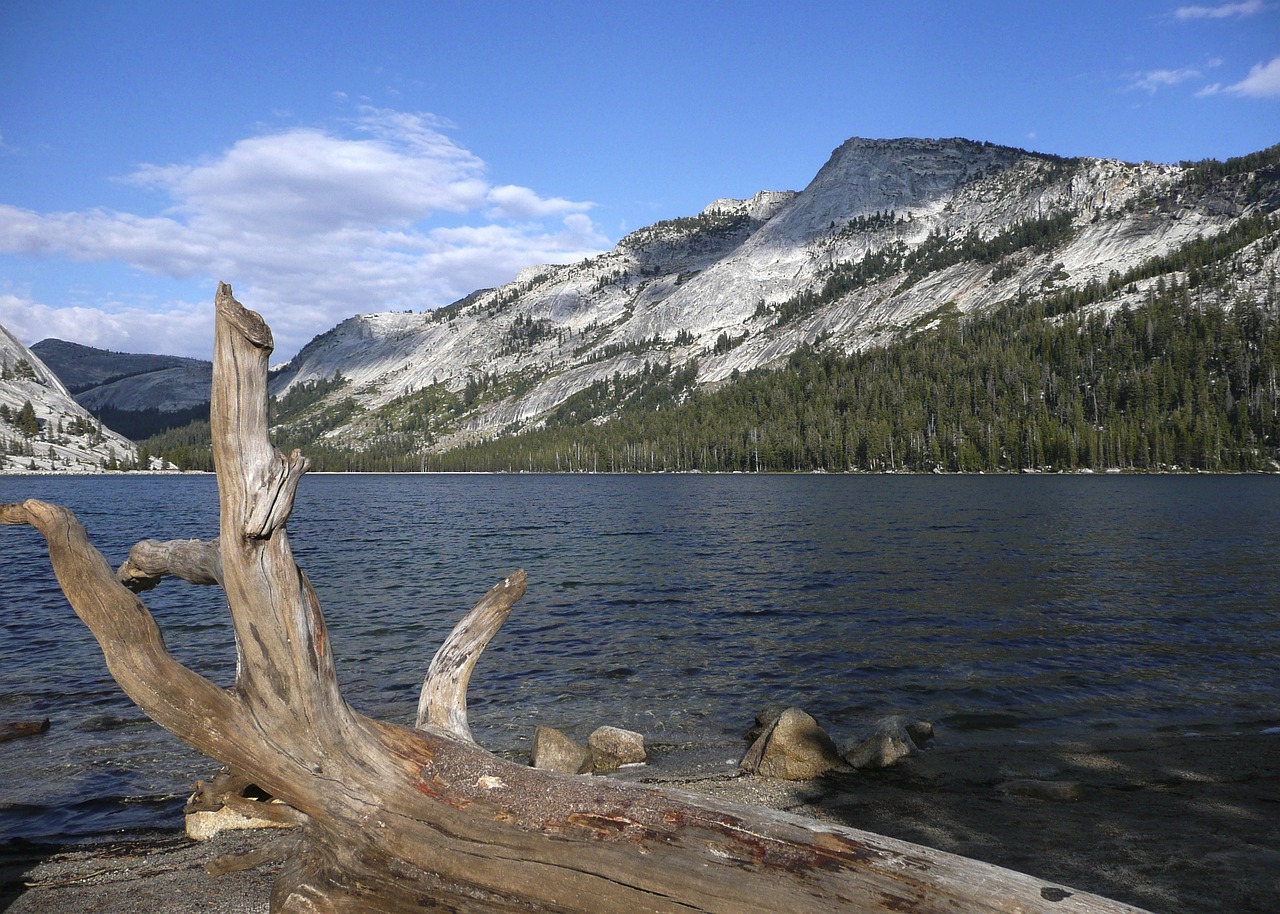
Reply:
x=1171, y=823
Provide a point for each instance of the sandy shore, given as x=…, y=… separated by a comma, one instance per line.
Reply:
x=1171, y=823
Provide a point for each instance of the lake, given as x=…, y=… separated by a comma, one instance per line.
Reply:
x=1015, y=608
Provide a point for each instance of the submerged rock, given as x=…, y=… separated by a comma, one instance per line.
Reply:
x=20, y=728
x=793, y=747
x=1035, y=789
x=894, y=739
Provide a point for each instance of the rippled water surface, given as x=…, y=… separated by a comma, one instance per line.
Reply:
x=1024, y=608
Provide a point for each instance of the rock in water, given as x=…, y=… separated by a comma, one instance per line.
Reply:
x=613, y=747
x=553, y=751
x=20, y=728
x=895, y=738
x=793, y=748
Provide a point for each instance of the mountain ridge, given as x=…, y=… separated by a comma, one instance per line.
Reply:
x=889, y=238
x=727, y=287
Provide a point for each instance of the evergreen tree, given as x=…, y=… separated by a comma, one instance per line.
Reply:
x=26, y=421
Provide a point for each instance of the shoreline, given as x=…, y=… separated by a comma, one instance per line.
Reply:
x=1170, y=823
x=1026, y=471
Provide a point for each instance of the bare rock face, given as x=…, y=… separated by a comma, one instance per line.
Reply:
x=613, y=747
x=68, y=439
x=895, y=738
x=794, y=747
x=553, y=751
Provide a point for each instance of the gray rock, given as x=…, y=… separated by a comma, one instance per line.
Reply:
x=613, y=747
x=894, y=739
x=553, y=751
x=793, y=747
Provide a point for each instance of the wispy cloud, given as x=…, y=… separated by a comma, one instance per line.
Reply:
x=312, y=225
x=1221, y=11
x=1153, y=81
x=1263, y=81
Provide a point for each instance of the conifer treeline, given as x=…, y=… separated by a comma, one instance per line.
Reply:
x=1165, y=385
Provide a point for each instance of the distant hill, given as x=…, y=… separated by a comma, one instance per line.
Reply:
x=137, y=394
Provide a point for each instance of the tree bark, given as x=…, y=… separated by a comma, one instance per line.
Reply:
x=396, y=820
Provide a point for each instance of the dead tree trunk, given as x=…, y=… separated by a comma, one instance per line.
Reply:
x=397, y=820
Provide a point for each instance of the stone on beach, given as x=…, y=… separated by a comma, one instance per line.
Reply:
x=613, y=747
x=203, y=824
x=553, y=751
x=793, y=747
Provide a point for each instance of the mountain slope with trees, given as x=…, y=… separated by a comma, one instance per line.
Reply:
x=963, y=303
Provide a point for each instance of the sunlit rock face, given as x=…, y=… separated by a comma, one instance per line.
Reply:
x=66, y=438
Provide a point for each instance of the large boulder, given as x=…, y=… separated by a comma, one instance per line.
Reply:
x=553, y=751
x=613, y=747
x=894, y=739
x=793, y=748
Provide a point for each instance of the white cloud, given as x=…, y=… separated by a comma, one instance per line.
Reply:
x=511, y=202
x=179, y=329
x=311, y=227
x=1154, y=80
x=1263, y=81
x=1221, y=11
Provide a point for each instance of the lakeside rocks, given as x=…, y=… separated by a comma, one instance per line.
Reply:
x=788, y=743
x=553, y=751
x=613, y=747
x=607, y=749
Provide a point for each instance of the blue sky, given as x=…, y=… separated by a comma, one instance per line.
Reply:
x=329, y=159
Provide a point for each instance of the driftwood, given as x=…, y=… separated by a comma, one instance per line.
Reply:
x=392, y=819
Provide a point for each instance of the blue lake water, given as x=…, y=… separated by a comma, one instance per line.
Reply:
x=1011, y=608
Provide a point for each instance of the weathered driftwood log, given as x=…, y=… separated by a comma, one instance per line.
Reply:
x=395, y=819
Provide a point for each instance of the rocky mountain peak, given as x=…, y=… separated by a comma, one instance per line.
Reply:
x=864, y=177
x=762, y=207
